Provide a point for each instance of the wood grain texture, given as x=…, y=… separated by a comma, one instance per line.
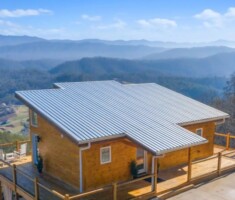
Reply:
x=97, y=174
x=60, y=155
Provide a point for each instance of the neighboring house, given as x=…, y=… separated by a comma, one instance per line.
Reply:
x=89, y=132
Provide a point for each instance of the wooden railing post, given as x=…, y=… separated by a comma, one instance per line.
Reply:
x=66, y=197
x=189, y=164
x=114, y=191
x=228, y=141
x=17, y=146
x=14, y=178
x=36, y=190
x=219, y=163
x=1, y=191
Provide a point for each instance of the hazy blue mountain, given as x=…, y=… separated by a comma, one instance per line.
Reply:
x=6, y=40
x=216, y=65
x=163, y=44
x=28, y=64
x=68, y=50
x=196, y=52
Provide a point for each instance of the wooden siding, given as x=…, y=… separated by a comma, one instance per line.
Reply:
x=60, y=155
x=97, y=174
x=201, y=151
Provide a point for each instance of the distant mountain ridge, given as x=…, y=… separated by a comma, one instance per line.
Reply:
x=195, y=52
x=216, y=65
x=44, y=65
x=67, y=50
x=8, y=40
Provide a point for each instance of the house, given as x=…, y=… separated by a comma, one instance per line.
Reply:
x=88, y=133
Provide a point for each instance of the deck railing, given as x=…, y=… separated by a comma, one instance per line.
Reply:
x=228, y=137
x=114, y=188
x=19, y=190
x=15, y=146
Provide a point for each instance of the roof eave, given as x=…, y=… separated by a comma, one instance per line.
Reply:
x=18, y=96
x=181, y=147
x=204, y=120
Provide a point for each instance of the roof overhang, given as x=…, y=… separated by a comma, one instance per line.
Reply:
x=215, y=119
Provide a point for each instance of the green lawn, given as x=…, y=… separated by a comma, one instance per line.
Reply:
x=15, y=123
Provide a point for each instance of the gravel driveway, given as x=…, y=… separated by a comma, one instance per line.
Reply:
x=219, y=189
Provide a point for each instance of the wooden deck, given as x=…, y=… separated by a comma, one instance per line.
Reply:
x=173, y=178
x=26, y=173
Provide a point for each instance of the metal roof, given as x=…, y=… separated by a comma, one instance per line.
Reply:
x=146, y=113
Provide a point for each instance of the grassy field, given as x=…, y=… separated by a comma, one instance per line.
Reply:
x=16, y=122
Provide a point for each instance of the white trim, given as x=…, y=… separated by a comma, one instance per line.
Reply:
x=31, y=118
x=199, y=129
x=145, y=168
x=81, y=149
x=110, y=153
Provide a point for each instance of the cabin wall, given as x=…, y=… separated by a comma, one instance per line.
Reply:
x=97, y=174
x=60, y=155
x=201, y=151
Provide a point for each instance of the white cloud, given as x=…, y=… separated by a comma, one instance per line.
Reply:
x=230, y=12
x=208, y=14
x=118, y=24
x=157, y=22
x=9, y=28
x=91, y=18
x=212, y=18
x=7, y=23
x=23, y=13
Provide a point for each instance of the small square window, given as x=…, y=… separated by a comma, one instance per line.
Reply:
x=199, y=131
x=34, y=119
x=105, y=155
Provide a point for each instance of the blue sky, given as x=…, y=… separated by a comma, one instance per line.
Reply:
x=165, y=20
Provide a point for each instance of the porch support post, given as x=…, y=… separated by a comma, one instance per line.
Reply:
x=228, y=141
x=219, y=164
x=15, y=181
x=114, y=191
x=36, y=189
x=154, y=172
x=189, y=164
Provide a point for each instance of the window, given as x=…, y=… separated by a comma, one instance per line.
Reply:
x=199, y=131
x=34, y=119
x=105, y=155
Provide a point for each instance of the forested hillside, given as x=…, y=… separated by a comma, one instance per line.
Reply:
x=33, y=63
x=181, y=79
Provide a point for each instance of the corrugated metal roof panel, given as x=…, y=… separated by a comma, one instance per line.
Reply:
x=147, y=113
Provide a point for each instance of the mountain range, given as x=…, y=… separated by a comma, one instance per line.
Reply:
x=197, y=70
x=34, y=48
